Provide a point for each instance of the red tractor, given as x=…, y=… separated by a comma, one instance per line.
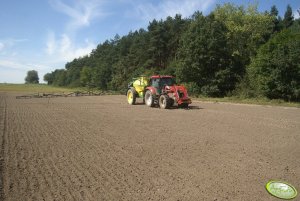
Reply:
x=158, y=90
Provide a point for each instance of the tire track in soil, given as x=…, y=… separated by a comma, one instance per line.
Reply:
x=73, y=166
x=46, y=160
x=114, y=179
x=88, y=149
x=136, y=160
x=78, y=165
x=42, y=169
x=3, y=120
x=172, y=166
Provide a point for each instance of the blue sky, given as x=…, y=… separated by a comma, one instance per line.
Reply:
x=43, y=35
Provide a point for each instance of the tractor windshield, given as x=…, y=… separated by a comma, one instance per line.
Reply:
x=167, y=81
x=161, y=82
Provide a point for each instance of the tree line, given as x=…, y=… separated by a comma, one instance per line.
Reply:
x=231, y=51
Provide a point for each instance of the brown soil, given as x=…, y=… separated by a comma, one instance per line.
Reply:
x=101, y=148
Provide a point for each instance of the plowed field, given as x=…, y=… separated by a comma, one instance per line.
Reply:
x=101, y=148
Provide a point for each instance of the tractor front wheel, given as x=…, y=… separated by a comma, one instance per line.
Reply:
x=149, y=100
x=183, y=105
x=131, y=96
x=164, y=102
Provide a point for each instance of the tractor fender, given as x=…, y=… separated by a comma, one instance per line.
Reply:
x=152, y=89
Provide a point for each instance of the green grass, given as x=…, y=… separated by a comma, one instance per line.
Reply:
x=256, y=101
x=43, y=88
x=34, y=88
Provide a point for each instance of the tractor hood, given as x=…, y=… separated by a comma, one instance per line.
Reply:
x=181, y=90
x=180, y=93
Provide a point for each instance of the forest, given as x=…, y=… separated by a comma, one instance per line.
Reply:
x=232, y=51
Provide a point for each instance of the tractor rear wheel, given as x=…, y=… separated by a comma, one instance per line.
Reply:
x=171, y=102
x=149, y=100
x=131, y=96
x=164, y=102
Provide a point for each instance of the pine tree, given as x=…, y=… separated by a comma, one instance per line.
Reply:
x=288, y=17
x=277, y=20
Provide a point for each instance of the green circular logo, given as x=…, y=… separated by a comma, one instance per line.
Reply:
x=281, y=190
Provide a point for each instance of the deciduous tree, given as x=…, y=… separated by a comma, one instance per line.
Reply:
x=275, y=71
x=32, y=77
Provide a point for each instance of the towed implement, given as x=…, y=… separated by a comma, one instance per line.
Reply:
x=159, y=90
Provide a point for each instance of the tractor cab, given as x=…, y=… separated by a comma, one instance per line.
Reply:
x=159, y=82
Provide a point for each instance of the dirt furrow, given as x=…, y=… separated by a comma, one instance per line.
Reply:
x=101, y=148
x=3, y=121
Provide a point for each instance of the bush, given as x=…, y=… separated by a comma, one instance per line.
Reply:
x=275, y=71
x=192, y=88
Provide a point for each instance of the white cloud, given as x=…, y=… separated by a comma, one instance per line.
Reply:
x=14, y=71
x=1, y=46
x=148, y=11
x=11, y=76
x=12, y=64
x=68, y=51
x=296, y=13
x=81, y=12
x=51, y=43
x=63, y=48
x=8, y=64
x=7, y=44
x=65, y=44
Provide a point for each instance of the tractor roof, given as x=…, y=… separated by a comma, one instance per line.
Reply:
x=161, y=76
